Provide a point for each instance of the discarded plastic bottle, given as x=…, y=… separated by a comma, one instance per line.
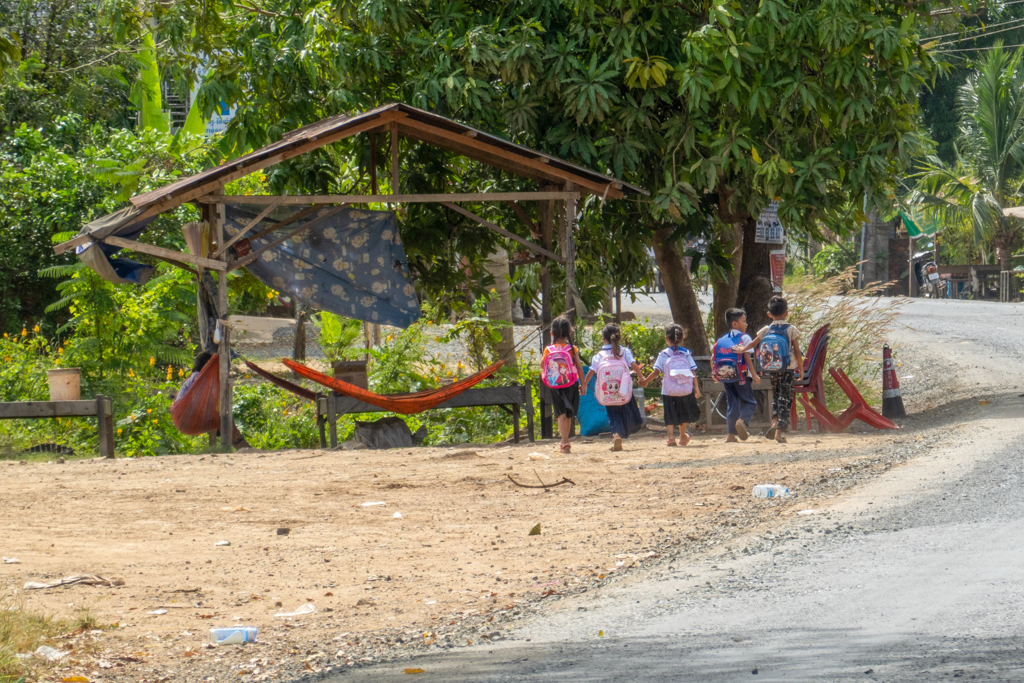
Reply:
x=770, y=491
x=233, y=636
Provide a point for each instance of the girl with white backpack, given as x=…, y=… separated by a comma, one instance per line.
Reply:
x=614, y=388
x=560, y=370
x=679, y=388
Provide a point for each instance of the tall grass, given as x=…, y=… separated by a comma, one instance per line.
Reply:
x=22, y=631
x=861, y=321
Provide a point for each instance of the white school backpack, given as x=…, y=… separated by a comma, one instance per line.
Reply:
x=678, y=376
x=614, y=383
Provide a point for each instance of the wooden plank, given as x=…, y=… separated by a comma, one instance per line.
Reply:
x=530, y=225
x=76, y=241
x=501, y=231
x=535, y=163
x=389, y=198
x=471, y=398
x=28, y=410
x=252, y=224
x=287, y=221
x=291, y=233
x=160, y=252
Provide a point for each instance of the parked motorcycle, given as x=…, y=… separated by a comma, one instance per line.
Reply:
x=929, y=284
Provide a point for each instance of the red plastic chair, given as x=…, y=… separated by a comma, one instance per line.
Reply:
x=810, y=391
x=859, y=408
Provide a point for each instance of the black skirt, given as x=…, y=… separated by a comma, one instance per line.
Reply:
x=625, y=419
x=566, y=401
x=681, y=410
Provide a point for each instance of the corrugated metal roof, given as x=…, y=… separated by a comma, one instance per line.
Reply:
x=554, y=168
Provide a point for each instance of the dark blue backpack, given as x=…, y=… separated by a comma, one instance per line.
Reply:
x=773, y=353
x=727, y=366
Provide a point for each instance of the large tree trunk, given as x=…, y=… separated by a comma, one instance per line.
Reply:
x=679, y=289
x=726, y=290
x=755, y=286
x=499, y=308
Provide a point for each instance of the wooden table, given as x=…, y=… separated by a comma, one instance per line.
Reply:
x=101, y=408
x=510, y=399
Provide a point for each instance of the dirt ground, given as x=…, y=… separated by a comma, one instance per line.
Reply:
x=406, y=549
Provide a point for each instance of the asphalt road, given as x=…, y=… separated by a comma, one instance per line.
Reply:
x=915, y=576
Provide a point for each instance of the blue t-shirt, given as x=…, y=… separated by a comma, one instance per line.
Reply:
x=663, y=357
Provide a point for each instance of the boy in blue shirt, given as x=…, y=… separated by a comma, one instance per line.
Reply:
x=739, y=395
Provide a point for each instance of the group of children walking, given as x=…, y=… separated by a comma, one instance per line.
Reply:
x=778, y=354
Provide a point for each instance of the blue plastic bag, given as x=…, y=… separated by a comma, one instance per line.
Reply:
x=593, y=417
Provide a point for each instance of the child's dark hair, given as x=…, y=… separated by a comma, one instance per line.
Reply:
x=561, y=328
x=674, y=334
x=778, y=306
x=734, y=314
x=201, y=359
x=613, y=335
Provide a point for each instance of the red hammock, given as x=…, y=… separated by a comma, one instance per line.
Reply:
x=283, y=383
x=406, y=404
x=195, y=409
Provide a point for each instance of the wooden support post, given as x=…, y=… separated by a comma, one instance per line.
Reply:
x=528, y=399
x=546, y=220
x=569, y=253
x=224, y=349
x=105, y=425
x=332, y=416
x=321, y=409
x=394, y=159
x=376, y=334
x=516, y=410
x=373, y=162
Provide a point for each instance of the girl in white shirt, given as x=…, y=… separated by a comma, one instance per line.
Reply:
x=624, y=419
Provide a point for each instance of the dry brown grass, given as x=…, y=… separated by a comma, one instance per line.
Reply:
x=22, y=631
x=861, y=320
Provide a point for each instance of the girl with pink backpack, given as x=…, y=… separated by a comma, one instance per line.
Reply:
x=614, y=388
x=560, y=370
x=679, y=388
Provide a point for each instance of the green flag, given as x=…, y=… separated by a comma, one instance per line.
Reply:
x=917, y=227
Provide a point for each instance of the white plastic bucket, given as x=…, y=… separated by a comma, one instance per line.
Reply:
x=65, y=384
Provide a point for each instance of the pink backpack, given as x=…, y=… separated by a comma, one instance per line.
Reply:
x=614, y=383
x=558, y=369
x=678, y=377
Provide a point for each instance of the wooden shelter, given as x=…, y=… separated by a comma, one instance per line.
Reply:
x=560, y=182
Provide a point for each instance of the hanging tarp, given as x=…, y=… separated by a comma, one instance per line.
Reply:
x=349, y=261
x=917, y=227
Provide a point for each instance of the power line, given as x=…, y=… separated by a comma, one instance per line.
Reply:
x=977, y=28
x=976, y=49
x=983, y=35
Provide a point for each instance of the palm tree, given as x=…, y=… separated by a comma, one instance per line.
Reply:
x=986, y=178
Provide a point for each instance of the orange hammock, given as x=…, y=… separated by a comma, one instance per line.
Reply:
x=406, y=404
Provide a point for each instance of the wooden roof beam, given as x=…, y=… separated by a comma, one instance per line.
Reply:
x=387, y=198
x=416, y=129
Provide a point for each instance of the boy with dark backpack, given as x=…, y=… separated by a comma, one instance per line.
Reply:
x=732, y=367
x=778, y=352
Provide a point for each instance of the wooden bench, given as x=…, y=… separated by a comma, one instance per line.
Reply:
x=101, y=408
x=510, y=399
x=713, y=396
